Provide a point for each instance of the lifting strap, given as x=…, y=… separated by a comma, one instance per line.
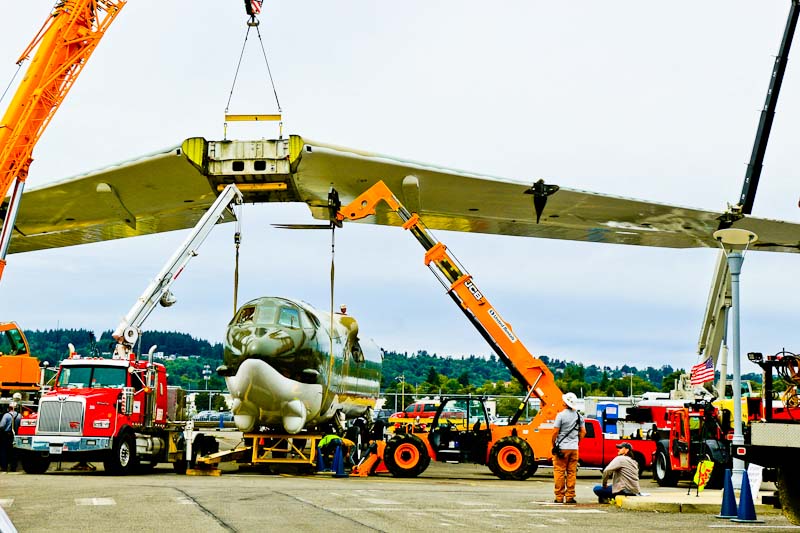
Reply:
x=253, y=23
x=332, y=357
x=237, y=240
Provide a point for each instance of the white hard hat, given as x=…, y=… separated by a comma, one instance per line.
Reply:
x=571, y=400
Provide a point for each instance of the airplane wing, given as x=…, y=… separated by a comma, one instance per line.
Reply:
x=171, y=189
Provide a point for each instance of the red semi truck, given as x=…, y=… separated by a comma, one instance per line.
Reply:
x=109, y=410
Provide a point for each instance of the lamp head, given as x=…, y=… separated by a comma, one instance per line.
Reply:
x=735, y=237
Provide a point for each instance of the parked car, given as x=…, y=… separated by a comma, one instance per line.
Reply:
x=205, y=416
x=382, y=414
x=213, y=416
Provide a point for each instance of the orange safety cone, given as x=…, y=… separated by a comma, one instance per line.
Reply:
x=338, y=463
x=747, y=510
x=728, y=509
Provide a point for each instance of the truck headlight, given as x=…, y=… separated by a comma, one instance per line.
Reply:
x=103, y=423
x=27, y=423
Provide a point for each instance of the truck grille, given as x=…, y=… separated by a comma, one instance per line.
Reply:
x=61, y=417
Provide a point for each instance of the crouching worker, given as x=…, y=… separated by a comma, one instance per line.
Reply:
x=624, y=473
x=327, y=447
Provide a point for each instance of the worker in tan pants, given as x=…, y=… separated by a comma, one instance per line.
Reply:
x=568, y=429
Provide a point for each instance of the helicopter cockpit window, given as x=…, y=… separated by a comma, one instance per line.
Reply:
x=289, y=317
x=246, y=314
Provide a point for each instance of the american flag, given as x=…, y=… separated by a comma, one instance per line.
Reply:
x=702, y=372
x=253, y=7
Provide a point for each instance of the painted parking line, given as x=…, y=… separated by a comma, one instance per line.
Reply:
x=378, y=501
x=564, y=509
x=95, y=501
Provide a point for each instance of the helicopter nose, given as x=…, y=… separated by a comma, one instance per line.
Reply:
x=270, y=342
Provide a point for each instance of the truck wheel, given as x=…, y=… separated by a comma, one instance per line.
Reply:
x=717, y=479
x=33, y=463
x=354, y=434
x=662, y=471
x=406, y=456
x=179, y=467
x=639, y=458
x=511, y=458
x=789, y=493
x=122, y=460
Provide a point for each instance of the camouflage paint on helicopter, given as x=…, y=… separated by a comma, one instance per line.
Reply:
x=282, y=372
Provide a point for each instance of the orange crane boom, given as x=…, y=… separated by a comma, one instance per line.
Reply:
x=65, y=42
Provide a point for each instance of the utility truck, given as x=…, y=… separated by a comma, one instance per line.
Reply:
x=774, y=440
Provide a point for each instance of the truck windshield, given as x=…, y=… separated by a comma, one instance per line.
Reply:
x=92, y=377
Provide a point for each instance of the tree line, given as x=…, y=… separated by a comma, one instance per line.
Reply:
x=420, y=373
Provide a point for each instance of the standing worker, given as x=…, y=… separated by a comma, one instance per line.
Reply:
x=9, y=425
x=624, y=473
x=568, y=429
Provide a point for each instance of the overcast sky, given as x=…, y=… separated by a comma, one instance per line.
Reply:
x=641, y=99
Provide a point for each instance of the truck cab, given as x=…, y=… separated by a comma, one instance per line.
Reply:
x=694, y=434
x=597, y=449
x=112, y=410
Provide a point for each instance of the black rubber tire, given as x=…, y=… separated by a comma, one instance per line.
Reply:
x=406, y=456
x=180, y=467
x=354, y=434
x=122, y=460
x=639, y=458
x=511, y=458
x=34, y=463
x=717, y=479
x=789, y=493
x=662, y=471
x=532, y=470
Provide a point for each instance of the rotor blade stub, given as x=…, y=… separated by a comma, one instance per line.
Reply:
x=540, y=191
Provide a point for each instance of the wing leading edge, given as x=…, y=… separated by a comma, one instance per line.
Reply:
x=171, y=189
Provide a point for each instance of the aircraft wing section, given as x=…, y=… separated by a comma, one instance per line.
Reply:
x=171, y=189
x=159, y=192
x=461, y=201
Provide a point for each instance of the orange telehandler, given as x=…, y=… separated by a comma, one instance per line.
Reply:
x=511, y=451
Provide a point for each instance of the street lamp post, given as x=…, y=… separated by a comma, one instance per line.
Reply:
x=737, y=240
x=206, y=377
x=402, y=380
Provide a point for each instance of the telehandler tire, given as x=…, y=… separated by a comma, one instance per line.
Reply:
x=406, y=456
x=511, y=458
